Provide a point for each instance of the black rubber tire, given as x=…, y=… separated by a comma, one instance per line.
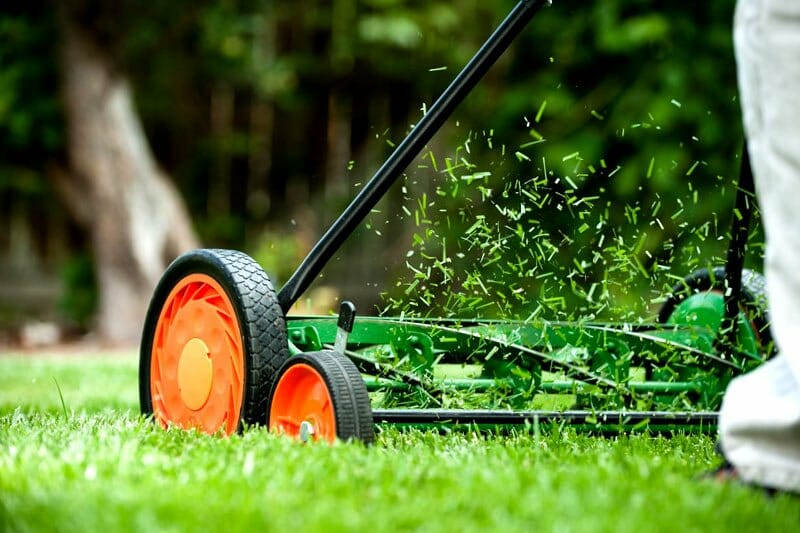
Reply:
x=260, y=317
x=753, y=297
x=351, y=404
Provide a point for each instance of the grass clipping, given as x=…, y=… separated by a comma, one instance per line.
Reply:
x=515, y=239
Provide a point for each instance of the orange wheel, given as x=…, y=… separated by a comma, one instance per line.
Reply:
x=213, y=337
x=321, y=396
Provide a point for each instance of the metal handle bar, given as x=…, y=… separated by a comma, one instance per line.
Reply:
x=734, y=261
x=405, y=153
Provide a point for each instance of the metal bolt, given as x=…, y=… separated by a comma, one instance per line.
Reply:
x=306, y=431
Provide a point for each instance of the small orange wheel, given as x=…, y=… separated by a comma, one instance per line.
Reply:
x=321, y=396
x=213, y=336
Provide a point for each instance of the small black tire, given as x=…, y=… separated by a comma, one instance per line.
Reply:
x=753, y=299
x=349, y=408
x=246, y=351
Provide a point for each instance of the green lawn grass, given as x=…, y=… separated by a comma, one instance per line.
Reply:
x=97, y=466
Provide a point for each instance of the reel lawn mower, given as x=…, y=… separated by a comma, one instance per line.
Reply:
x=218, y=351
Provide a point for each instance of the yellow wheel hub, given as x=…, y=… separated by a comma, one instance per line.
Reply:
x=195, y=374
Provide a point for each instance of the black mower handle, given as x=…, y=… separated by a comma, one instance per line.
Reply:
x=405, y=153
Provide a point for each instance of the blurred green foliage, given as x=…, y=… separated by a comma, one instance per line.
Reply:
x=31, y=129
x=79, y=298
x=260, y=107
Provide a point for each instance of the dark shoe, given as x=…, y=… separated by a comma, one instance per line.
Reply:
x=724, y=473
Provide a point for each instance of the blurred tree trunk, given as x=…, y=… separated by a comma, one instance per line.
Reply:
x=134, y=214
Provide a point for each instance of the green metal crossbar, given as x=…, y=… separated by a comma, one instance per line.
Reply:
x=423, y=362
